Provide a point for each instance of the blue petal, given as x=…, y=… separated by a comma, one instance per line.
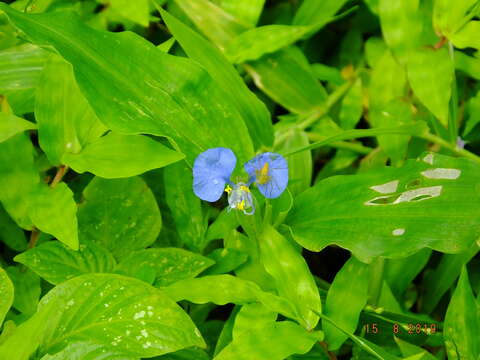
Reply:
x=277, y=173
x=211, y=171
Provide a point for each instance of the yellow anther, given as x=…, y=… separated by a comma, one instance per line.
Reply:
x=228, y=189
x=244, y=188
x=262, y=175
x=241, y=205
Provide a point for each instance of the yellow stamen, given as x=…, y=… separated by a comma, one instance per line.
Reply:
x=228, y=189
x=244, y=188
x=262, y=175
x=241, y=205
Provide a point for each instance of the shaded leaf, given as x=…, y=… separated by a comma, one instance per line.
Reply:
x=6, y=289
x=27, y=289
x=11, y=125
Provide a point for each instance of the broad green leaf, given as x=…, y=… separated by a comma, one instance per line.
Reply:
x=116, y=156
x=399, y=273
x=461, y=323
x=408, y=349
x=155, y=93
x=473, y=111
x=437, y=282
x=185, y=206
x=11, y=234
x=218, y=25
x=20, y=70
x=247, y=11
x=287, y=81
x=121, y=215
x=54, y=211
x=224, y=289
x=468, y=64
x=66, y=122
x=252, y=316
x=352, y=106
x=18, y=177
x=448, y=17
x=253, y=111
x=254, y=43
x=467, y=36
x=292, y=276
x=432, y=84
x=11, y=125
x=274, y=341
x=57, y=263
x=6, y=289
x=345, y=300
x=169, y=264
x=226, y=260
x=122, y=314
x=300, y=166
x=187, y=354
x=27, y=289
x=392, y=212
x=137, y=11
x=327, y=73
x=401, y=25
x=317, y=13
x=87, y=350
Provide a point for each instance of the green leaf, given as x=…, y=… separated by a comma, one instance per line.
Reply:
x=121, y=314
x=121, y=215
x=169, y=264
x=468, y=64
x=293, y=279
x=155, y=93
x=57, y=263
x=252, y=316
x=392, y=212
x=54, y=212
x=287, y=81
x=408, y=349
x=432, y=84
x=461, y=323
x=448, y=17
x=218, y=25
x=66, y=122
x=11, y=234
x=18, y=177
x=86, y=350
x=20, y=70
x=11, y=125
x=6, y=289
x=300, y=166
x=247, y=11
x=116, y=156
x=223, y=289
x=185, y=206
x=345, y=301
x=317, y=13
x=274, y=341
x=352, y=106
x=27, y=289
x=253, y=111
x=437, y=282
x=226, y=260
x=467, y=36
x=138, y=11
x=254, y=43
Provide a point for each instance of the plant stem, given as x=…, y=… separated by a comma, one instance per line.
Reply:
x=377, y=268
x=33, y=238
x=358, y=148
x=452, y=115
x=416, y=129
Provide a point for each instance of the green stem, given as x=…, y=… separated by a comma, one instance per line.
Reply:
x=358, y=148
x=416, y=129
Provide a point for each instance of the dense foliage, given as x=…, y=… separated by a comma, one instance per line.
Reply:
x=145, y=152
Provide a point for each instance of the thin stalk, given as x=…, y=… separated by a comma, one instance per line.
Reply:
x=417, y=130
x=452, y=118
x=358, y=148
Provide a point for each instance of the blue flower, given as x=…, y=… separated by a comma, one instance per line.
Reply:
x=211, y=172
x=270, y=172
